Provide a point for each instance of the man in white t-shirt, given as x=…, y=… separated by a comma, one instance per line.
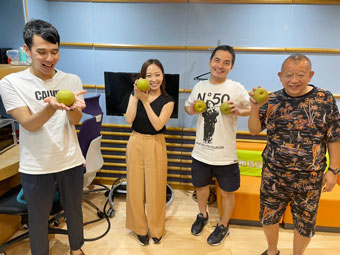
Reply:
x=215, y=153
x=50, y=156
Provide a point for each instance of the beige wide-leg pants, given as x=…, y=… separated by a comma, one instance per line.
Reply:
x=146, y=159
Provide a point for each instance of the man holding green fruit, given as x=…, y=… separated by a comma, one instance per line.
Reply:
x=302, y=123
x=217, y=102
x=50, y=156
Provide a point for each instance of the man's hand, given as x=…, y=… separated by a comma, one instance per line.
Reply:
x=328, y=181
x=191, y=109
x=234, y=109
x=78, y=103
x=253, y=103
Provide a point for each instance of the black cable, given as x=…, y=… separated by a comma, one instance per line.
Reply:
x=199, y=77
x=102, y=213
x=102, y=235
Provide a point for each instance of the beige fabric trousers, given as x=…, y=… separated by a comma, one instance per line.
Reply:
x=146, y=159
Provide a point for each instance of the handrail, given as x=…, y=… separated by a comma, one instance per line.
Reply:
x=242, y=1
x=315, y=2
x=141, y=1
x=200, y=48
x=323, y=2
x=76, y=44
x=136, y=46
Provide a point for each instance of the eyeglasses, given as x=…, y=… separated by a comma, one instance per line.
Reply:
x=291, y=76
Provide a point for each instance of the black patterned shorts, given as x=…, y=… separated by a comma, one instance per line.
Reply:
x=302, y=189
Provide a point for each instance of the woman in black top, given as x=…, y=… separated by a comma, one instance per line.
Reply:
x=146, y=155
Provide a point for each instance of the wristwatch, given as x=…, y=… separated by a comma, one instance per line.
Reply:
x=334, y=171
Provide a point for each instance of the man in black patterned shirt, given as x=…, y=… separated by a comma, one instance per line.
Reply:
x=302, y=122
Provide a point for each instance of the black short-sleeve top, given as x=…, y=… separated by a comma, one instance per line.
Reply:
x=142, y=124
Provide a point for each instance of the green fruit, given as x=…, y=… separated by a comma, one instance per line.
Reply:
x=200, y=106
x=143, y=84
x=260, y=95
x=225, y=108
x=65, y=97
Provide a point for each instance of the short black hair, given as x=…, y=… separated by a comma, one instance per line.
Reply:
x=225, y=48
x=41, y=28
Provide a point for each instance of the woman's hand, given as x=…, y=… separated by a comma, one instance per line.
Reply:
x=141, y=95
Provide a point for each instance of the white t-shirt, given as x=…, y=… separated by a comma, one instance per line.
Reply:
x=54, y=147
x=215, y=142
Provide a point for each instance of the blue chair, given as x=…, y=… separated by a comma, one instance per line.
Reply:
x=11, y=204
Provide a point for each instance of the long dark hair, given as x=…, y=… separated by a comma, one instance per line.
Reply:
x=159, y=64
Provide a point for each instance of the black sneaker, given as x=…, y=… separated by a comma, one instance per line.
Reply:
x=218, y=235
x=156, y=240
x=143, y=240
x=200, y=222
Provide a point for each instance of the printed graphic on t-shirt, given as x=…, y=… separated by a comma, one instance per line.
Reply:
x=213, y=101
x=210, y=119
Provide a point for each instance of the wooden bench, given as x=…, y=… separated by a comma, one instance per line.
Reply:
x=328, y=213
x=247, y=201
